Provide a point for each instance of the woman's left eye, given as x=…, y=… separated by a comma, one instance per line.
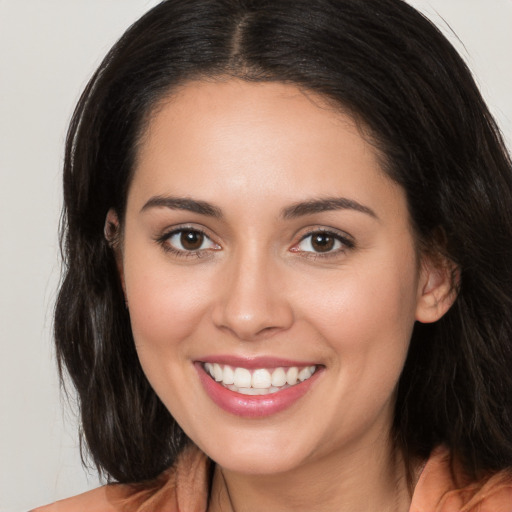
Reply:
x=322, y=242
x=189, y=240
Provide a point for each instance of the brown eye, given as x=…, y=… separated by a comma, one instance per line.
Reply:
x=191, y=240
x=322, y=242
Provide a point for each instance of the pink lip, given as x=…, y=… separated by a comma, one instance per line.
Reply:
x=253, y=363
x=254, y=406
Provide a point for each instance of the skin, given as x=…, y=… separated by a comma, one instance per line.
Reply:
x=257, y=287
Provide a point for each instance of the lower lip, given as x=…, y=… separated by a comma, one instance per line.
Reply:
x=257, y=406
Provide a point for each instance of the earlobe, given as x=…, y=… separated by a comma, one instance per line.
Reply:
x=112, y=233
x=437, y=290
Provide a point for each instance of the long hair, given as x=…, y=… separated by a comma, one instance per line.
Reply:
x=392, y=70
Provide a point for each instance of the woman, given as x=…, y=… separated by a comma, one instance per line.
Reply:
x=287, y=235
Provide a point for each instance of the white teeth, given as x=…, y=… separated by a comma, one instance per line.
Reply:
x=242, y=378
x=260, y=381
x=304, y=374
x=229, y=375
x=217, y=372
x=253, y=391
x=278, y=377
x=291, y=375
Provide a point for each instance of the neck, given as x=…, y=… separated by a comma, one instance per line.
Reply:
x=361, y=480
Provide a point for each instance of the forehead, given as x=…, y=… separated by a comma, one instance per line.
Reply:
x=233, y=137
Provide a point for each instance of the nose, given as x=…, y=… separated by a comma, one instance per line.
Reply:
x=253, y=303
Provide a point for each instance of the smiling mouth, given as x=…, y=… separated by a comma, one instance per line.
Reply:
x=260, y=381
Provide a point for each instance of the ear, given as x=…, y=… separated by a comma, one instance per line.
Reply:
x=112, y=232
x=437, y=291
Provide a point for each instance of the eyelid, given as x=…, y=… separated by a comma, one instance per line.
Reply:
x=347, y=242
x=163, y=241
x=205, y=239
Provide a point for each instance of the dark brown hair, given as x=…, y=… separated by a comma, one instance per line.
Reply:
x=392, y=69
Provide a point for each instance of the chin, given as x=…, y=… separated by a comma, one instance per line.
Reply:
x=250, y=463
x=259, y=453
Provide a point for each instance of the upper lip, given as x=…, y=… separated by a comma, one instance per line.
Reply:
x=252, y=363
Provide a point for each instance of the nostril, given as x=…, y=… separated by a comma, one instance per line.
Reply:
x=247, y=334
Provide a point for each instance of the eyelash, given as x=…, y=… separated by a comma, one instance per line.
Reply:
x=346, y=243
x=164, y=241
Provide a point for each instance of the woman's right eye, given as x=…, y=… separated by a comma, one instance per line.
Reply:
x=188, y=242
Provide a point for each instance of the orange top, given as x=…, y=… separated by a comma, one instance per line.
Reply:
x=184, y=488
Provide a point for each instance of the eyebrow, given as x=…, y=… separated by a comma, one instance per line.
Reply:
x=294, y=211
x=323, y=205
x=183, y=203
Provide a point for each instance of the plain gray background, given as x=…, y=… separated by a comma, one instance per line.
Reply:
x=48, y=50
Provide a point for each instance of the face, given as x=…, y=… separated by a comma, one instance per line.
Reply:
x=271, y=275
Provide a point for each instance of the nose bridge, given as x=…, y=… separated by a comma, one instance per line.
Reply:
x=252, y=303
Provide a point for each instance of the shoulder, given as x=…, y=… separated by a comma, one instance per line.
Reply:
x=184, y=486
x=441, y=488
x=108, y=498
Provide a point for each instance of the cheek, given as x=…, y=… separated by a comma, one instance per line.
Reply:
x=166, y=306
x=366, y=315
x=165, y=302
x=376, y=297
